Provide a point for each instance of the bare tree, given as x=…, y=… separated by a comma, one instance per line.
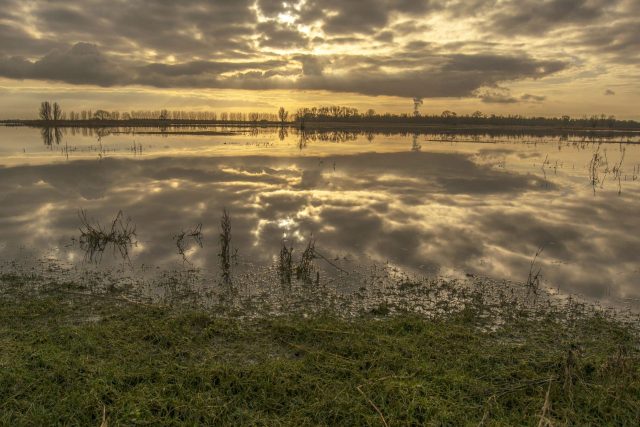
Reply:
x=45, y=111
x=56, y=112
x=283, y=115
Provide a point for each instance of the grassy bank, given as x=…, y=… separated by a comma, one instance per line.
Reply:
x=87, y=360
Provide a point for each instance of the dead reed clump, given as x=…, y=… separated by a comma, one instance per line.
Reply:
x=533, y=279
x=185, y=239
x=594, y=168
x=285, y=264
x=225, y=246
x=306, y=268
x=95, y=239
x=617, y=170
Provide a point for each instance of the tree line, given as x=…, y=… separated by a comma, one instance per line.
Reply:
x=53, y=112
x=171, y=115
x=335, y=113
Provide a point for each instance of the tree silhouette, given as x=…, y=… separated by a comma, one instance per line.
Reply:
x=56, y=112
x=45, y=111
x=102, y=115
x=283, y=115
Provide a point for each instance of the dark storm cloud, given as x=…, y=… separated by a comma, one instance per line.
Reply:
x=15, y=40
x=203, y=67
x=82, y=64
x=618, y=41
x=235, y=44
x=456, y=75
x=189, y=27
x=459, y=75
x=503, y=96
x=533, y=98
x=385, y=36
x=520, y=66
x=497, y=97
x=609, y=28
x=311, y=65
x=274, y=7
x=538, y=16
x=362, y=16
x=277, y=35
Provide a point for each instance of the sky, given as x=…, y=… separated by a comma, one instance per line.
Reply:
x=530, y=57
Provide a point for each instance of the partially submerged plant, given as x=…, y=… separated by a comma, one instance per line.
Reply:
x=617, y=169
x=185, y=239
x=594, y=168
x=225, y=246
x=95, y=239
x=306, y=268
x=533, y=279
x=285, y=264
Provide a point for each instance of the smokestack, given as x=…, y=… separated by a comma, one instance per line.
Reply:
x=417, y=102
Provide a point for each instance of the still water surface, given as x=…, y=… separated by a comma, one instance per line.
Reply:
x=433, y=203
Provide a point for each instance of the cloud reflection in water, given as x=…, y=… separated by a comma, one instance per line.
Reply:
x=439, y=210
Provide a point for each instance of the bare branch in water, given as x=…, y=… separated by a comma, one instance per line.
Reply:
x=185, y=239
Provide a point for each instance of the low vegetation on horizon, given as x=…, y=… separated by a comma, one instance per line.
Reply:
x=51, y=113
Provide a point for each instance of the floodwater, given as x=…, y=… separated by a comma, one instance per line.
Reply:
x=432, y=203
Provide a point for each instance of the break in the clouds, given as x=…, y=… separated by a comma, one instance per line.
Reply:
x=478, y=49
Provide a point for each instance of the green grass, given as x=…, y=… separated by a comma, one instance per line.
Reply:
x=66, y=360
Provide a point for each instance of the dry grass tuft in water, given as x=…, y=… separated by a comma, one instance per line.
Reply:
x=533, y=279
x=285, y=264
x=95, y=239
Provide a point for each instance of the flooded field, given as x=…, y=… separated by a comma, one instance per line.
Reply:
x=557, y=209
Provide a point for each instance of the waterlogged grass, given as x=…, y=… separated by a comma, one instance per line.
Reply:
x=86, y=360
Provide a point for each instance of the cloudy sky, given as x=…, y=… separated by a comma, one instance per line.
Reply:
x=542, y=57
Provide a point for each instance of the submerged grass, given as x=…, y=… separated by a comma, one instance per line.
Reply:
x=85, y=360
